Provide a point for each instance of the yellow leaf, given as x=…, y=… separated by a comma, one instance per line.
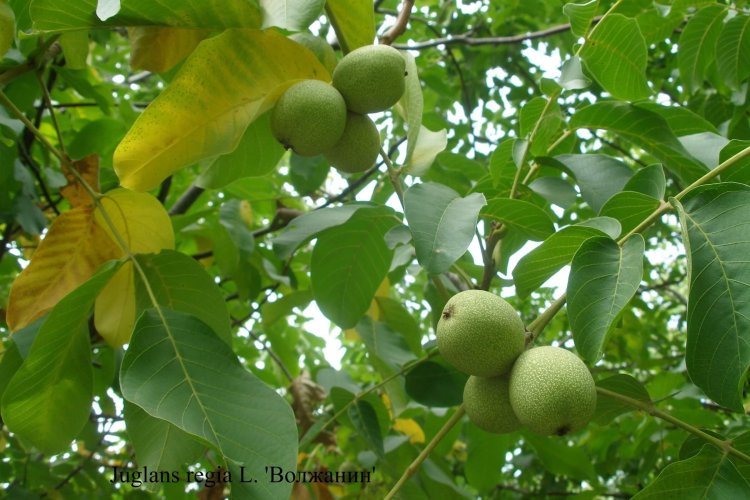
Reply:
x=354, y=22
x=146, y=228
x=139, y=218
x=159, y=48
x=383, y=290
x=411, y=428
x=114, y=309
x=387, y=403
x=246, y=213
x=351, y=334
x=74, y=192
x=29, y=244
x=68, y=255
x=226, y=83
x=374, y=310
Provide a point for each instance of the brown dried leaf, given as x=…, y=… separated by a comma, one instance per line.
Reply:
x=74, y=192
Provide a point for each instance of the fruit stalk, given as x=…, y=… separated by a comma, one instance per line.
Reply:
x=414, y=466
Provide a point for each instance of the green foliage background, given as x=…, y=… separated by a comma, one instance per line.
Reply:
x=578, y=160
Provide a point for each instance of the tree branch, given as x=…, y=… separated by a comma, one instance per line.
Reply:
x=399, y=28
x=650, y=408
x=467, y=39
x=186, y=200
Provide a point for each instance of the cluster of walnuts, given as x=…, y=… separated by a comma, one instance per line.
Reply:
x=547, y=390
x=313, y=117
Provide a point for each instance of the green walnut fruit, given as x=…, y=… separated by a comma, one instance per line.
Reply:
x=358, y=147
x=487, y=404
x=309, y=117
x=371, y=78
x=322, y=49
x=480, y=334
x=552, y=391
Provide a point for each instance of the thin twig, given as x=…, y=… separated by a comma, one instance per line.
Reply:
x=403, y=371
x=164, y=189
x=51, y=50
x=650, y=408
x=402, y=21
x=275, y=357
x=47, y=101
x=467, y=39
x=395, y=175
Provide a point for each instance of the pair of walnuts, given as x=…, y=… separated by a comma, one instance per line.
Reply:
x=313, y=117
x=548, y=390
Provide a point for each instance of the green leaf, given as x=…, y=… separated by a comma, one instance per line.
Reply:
x=608, y=408
x=708, y=475
x=648, y=180
x=411, y=105
x=75, y=45
x=559, y=458
x=306, y=226
x=715, y=222
x=740, y=172
x=213, y=99
x=50, y=15
x=553, y=254
x=742, y=443
x=548, y=128
x=572, y=76
x=48, y=400
x=176, y=369
x=230, y=217
x=348, y=264
x=681, y=120
x=485, y=457
x=365, y=422
x=599, y=177
x=290, y=15
x=705, y=147
x=385, y=344
x=733, y=60
x=307, y=174
x=280, y=308
x=436, y=384
x=180, y=283
x=502, y=167
x=697, y=45
x=616, y=55
x=98, y=136
x=354, y=22
x=427, y=146
x=644, y=129
x=256, y=155
x=555, y=190
x=630, y=208
x=522, y=215
x=441, y=222
x=395, y=315
x=9, y=365
x=580, y=15
x=159, y=444
x=7, y=28
x=603, y=279
x=655, y=26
